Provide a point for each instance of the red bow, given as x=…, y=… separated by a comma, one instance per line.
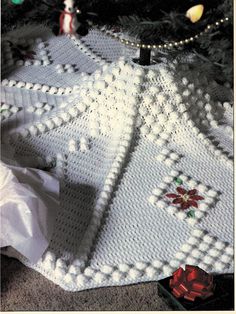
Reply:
x=191, y=283
x=63, y=13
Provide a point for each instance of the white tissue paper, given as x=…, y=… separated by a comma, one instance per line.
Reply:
x=29, y=204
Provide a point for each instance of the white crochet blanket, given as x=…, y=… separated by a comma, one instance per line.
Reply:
x=143, y=154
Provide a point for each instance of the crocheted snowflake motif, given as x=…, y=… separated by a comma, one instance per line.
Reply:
x=184, y=198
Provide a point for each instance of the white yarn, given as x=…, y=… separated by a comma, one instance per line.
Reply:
x=120, y=138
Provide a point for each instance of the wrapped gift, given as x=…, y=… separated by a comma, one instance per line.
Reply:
x=194, y=289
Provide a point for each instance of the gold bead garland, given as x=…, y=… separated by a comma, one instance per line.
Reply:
x=166, y=45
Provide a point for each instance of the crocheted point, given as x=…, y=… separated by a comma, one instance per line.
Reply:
x=81, y=143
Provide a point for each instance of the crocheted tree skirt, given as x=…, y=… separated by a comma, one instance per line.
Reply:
x=143, y=155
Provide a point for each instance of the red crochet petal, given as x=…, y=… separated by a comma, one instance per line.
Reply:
x=178, y=201
x=171, y=195
x=181, y=190
x=196, y=198
x=192, y=192
x=192, y=203
x=185, y=205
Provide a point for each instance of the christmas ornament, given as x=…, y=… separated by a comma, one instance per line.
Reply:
x=69, y=22
x=17, y=1
x=195, y=13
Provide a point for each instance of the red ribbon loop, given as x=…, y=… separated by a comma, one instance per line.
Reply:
x=191, y=283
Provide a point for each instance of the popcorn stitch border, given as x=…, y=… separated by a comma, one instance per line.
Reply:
x=89, y=277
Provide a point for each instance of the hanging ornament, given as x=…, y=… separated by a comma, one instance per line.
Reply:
x=17, y=1
x=195, y=13
x=71, y=21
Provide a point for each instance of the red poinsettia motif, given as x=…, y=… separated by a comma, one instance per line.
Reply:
x=185, y=198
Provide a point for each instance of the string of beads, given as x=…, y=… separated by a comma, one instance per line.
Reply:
x=168, y=44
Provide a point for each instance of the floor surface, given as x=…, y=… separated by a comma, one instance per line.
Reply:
x=23, y=289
